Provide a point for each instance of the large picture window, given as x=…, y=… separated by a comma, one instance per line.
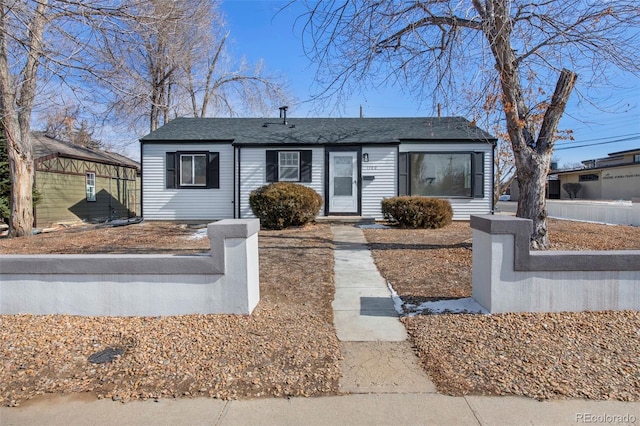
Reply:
x=441, y=174
x=192, y=170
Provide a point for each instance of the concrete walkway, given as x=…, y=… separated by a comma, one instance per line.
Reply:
x=382, y=383
x=362, y=309
x=376, y=355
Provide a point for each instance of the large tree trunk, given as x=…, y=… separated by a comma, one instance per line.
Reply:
x=532, y=180
x=532, y=155
x=533, y=163
x=17, y=106
x=21, y=171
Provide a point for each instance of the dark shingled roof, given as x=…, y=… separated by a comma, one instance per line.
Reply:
x=44, y=146
x=265, y=131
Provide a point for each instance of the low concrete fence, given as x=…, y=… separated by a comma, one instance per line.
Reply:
x=508, y=277
x=225, y=281
x=596, y=211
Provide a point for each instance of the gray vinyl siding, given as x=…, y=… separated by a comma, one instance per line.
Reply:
x=253, y=173
x=463, y=208
x=382, y=165
x=160, y=203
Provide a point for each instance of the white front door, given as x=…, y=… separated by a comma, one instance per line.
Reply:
x=343, y=182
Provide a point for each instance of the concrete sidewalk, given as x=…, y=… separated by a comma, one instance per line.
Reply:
x=364, y=409
x=382, y=383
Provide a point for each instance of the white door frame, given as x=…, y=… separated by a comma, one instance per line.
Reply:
x=348, y=202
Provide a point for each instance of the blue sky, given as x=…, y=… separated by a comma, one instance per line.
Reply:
x=259, y=32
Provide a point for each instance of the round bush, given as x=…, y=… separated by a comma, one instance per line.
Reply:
x=418, y=212
x=283, y=204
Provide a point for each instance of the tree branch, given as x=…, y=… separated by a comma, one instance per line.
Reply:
x=564, y=86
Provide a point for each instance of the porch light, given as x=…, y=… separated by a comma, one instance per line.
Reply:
x=365, y=157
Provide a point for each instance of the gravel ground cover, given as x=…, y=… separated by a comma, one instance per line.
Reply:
x=287, y=347
x=593, y=355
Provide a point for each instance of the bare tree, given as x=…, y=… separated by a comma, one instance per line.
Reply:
x=175, y=63
x=17, y=105
x=504, y=169
x=43, y=41
x=504, y=162
x=216, y=84
x=64, y=122
x=441, y=46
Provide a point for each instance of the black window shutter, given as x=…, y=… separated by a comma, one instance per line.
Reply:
x=171, y=174
x=213, y=170
x=305, y=165
x=272, y=166
x=478, y=174
x=403, y=173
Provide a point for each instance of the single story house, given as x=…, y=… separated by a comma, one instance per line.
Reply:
x=78, y=184
x=198, y=169
x=615, y=177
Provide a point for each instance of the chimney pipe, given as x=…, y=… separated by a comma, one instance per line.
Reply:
x=439, y=107
x=283, y=114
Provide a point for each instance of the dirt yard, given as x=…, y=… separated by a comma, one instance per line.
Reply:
x=288, y=346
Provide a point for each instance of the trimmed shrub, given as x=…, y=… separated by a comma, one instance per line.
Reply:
x=572, y=188
x=283, y=204
x=418, y=212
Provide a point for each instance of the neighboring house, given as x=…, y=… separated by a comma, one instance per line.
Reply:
x=616, y=177
x=81, y=184
x=205, y=168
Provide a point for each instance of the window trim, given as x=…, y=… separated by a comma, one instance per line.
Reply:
x=173, y=170
x=280, y=166
x=588, y=177
x=305, y=165
x=636, y=158
x=94, y=196
x=193, y=156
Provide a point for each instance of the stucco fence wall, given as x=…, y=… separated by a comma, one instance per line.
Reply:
x=224, y=281
x=508, y=277
x=596, y=211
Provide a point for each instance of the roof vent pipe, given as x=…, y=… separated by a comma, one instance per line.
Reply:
x=283, y=114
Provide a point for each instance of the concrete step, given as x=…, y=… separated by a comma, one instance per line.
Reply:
x=336, y=220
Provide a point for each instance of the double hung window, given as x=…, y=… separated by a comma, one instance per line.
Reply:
x=193, y=169
x=289, y=165
x=90, y=184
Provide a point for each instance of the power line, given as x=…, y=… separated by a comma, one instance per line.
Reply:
x=597, y=143
x=634, y=135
